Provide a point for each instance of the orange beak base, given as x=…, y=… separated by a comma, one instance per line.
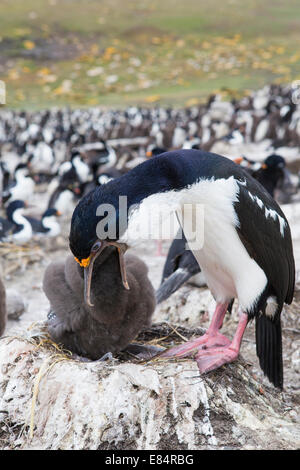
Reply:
x=87, y=264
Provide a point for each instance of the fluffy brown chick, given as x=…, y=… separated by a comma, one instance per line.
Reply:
x=117, y=315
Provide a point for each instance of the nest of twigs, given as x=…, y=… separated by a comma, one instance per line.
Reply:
x=165, y=334
x=162, y=335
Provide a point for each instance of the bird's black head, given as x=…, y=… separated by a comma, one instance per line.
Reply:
x=85, y=241
x=155, y=151
x=274, y=162
x=83, y=230
x=29, y=160
x=13, y=206
x=51, y=212
x=70, y=177
x=75, y=153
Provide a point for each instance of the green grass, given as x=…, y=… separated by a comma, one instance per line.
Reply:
x=160, y=51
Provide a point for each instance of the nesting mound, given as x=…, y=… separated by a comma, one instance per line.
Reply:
x=51, y=401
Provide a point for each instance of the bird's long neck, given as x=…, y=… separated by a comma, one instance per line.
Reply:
x=20, y=176
x=160, y=177
x=23, y=225
x=18, y=218
x=51, y=224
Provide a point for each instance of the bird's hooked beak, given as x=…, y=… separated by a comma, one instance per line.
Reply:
x=88, y=264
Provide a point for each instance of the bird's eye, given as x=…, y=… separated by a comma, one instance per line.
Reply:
x=96, y=246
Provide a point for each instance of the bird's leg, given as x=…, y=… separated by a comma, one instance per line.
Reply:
x=106, y=357
x=211, y=339
x=159, y=248
x=211, y=359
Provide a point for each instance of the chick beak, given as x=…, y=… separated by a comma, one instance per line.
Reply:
x=88, y=272
x=122, y=247
x=97, y=249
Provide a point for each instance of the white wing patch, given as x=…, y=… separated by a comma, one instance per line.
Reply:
x=269, y=213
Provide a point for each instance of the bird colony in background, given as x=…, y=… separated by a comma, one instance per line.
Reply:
x=67, y=153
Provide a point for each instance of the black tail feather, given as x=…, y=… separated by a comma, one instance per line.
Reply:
x=269, y=348
x=170, y=285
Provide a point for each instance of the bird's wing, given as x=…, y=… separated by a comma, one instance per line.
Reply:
x=265, y=233
x=176, y=250
x=36, y=225
x=172, y=284
x=6, y=228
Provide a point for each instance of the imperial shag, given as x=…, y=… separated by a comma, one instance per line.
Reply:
x=246, y=251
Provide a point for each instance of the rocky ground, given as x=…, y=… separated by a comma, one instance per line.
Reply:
x=190, y=306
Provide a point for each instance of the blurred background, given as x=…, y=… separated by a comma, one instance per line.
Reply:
x=115, y=53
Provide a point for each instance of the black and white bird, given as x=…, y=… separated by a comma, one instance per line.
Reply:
x=63, y=199
x=153, y=151
x=246, y=251
x=99, y=179
x=104, y=157
x=250, y=165
x=181, y=265
x=22, y=188
x=48, y=225
x=16, y=228
x=235, y=137
x=273, y=174
x=76, y=165
x=116, y=316
x=42, y=159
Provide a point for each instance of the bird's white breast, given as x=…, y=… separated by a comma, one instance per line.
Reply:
x=65, y=202
x=228, y=268
x=53, y=226
x=23, y=189
x=206, y=212
x=25, y=234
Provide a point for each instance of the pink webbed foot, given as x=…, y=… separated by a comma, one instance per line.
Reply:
x=214, y=358
x=159, y=250
x=198, y=344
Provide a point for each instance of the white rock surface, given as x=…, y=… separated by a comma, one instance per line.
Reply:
x=122, y=405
